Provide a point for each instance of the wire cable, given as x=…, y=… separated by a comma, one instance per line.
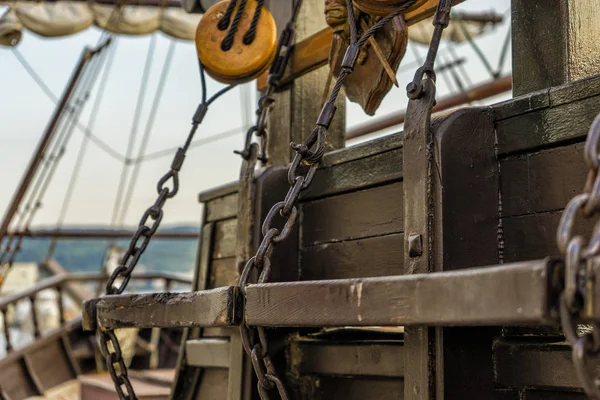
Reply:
x=134, y=129
x=148, y=130
x=83, y=148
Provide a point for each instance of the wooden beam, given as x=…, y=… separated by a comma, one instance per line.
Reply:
x=313, y=52
x=218, y=307
x=501, y=295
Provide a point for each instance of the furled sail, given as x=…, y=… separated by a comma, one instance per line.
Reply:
x=10, y=29
x=63, y=18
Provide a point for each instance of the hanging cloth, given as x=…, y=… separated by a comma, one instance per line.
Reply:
x=178, y=24
x=133, y=20
x=54, y=19
x=10, y=29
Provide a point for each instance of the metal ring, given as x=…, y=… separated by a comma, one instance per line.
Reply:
x=590, y=151
x=583, y=372
x=573, y=261
x=259, y=368
x=567, y=220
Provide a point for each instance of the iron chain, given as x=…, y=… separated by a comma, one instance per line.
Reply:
x=579, y=258
x=276, y=71
x=147, y=227
x=301, y=172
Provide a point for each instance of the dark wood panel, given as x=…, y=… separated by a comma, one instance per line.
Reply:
x=542, y=181
x=548, y=395
x=362, y=173
x=377, y=256
x=222, y=208
x=213, y=384
x=317, y=357
x=358, y=389
x=365, y=213
x=225, y=239
x=50, y=365
x=524, y=365
x=223, y=272
x=533, y=236
x=16, y=381
x=548, y=126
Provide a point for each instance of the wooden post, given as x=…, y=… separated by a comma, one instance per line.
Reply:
x=61, y=305
x=6, y=330
x=34, y=318
x=554, y=42
x=297, y=107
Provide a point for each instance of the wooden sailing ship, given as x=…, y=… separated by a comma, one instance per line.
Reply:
x=420, y=265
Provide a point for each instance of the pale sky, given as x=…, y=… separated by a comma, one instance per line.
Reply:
x=25, y=111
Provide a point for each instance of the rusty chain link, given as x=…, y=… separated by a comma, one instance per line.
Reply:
x=579, y=257
x=276, y=71
x=300, y=175
x=147, y=227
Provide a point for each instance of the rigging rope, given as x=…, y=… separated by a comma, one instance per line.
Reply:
x=134, y=130
x=102, y=145
x=43, y=179
x=83, y=148
x=148, y=130
x=196, y=143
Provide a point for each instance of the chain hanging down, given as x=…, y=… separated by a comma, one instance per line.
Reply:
x=276, y=71
x=300, y=174
x=146, y=229
x=579, y=258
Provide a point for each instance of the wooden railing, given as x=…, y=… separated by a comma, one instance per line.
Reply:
x=59, y=283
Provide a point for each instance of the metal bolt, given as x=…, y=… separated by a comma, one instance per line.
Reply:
x=415, y=245
x=414, y=91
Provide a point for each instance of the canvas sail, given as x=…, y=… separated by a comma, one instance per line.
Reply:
x=64, y=18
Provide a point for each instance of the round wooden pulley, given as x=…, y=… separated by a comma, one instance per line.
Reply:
x=241, y=62
x=382, y=8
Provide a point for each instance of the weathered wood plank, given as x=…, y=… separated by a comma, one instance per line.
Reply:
x=222, y=207
x=376, y=256
x=366, y=213
x=217, y=307
x=471, y=297
x=317, y=357
x=542, y=181
x=533, y=236
x=526, y=365
x=350, y=176
x=225, y=239
x=571, y=54
x=223, y=272
x=217, y=192
x=213, y=384
x=546, y=127
x=50, y=365
x=363, y=150
x=208, y=353
x=358, y=389
x=552, y=395
x=16, y=382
